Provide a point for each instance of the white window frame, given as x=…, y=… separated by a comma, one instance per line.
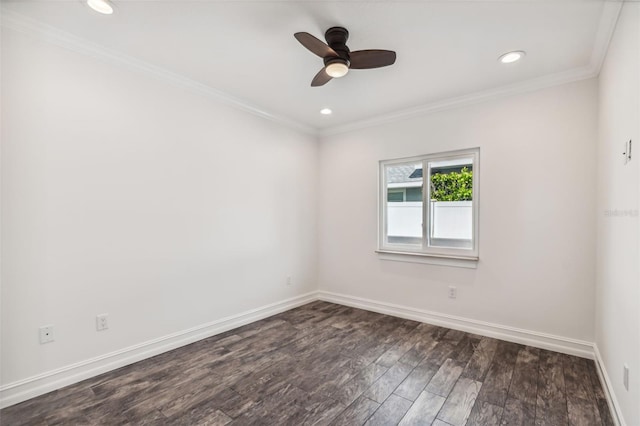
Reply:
x=425, y=250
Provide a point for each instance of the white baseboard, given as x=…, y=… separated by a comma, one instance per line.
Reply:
x=551, y=342
x=612, y=401
x=31, y=387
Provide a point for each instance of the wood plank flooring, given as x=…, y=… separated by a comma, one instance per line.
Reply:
x=326, y=364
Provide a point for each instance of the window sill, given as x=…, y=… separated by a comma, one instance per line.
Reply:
x=429, y=259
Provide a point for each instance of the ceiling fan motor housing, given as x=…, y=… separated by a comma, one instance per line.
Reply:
x=337, y=39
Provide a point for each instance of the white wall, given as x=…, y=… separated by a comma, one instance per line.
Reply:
x=618, y=277
x=537, y=221
x=126, y=195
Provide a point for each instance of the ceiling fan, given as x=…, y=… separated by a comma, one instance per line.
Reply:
x=338, y=59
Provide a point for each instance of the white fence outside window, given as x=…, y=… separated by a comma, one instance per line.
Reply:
x=451, y=219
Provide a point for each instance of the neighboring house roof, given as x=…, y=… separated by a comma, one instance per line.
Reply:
x=403, y=173
x=417, y=174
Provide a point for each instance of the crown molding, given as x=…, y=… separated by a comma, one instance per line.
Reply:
x=31, y=27
x=608, y=21
x=606, y=27
x=544, y=82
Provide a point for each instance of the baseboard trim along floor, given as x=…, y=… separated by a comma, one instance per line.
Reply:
x=614, y=406
x=40, y=384
x=330, y=363
x=550, y=342
x=511, y=334
x=31, y=387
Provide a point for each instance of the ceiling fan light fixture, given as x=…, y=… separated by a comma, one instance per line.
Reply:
x=326, y=111
x=101, y=6
x=338, y=59
x=511, y=57
x=337, y=69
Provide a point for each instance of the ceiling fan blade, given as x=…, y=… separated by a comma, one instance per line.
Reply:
x=314, y=45
x=321, y=78
x=365, y=59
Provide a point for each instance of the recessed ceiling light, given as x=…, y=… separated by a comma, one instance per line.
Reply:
x=325, y=111
x=102, y=6
x=511, y=57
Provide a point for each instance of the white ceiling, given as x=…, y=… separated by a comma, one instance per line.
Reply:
x=246, y=49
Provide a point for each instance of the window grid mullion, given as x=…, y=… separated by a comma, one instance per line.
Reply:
x=425, y=205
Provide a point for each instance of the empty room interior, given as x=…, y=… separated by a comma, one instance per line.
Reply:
x=320, y=212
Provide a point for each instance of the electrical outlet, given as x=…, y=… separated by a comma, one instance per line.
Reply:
x=453, y=292
x=625, y=376
x=46, y=334
x=102, y=322
x=289, y=281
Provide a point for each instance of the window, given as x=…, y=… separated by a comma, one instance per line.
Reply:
x=395, y=195
x=429, y=205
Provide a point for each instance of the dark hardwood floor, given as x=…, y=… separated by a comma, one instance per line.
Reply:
x=329, y=364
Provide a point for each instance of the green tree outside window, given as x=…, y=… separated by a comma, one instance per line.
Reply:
x=454, y=186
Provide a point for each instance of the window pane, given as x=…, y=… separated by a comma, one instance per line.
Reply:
x=404, y=219
x=451, y=204
x=395, y=196
x=414, y=194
